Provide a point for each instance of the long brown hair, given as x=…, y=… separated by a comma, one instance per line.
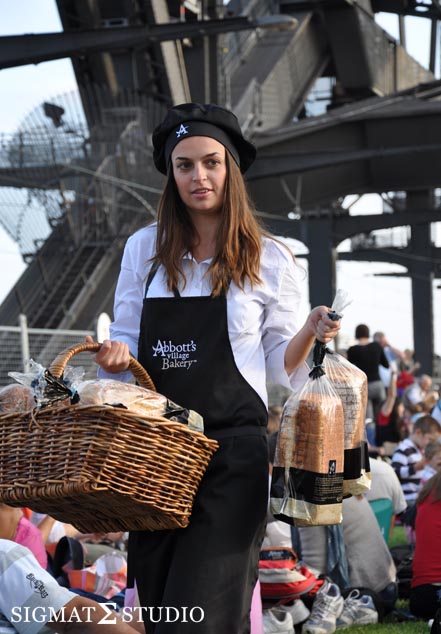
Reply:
x=432, y=485
x=239, y=238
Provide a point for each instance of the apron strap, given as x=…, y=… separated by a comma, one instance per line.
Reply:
x=151, y=275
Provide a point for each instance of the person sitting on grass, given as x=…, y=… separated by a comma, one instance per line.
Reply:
x=32, y=601
x=425, y=590
x=432, y=453
x=390, y=418
x=15, y=526
x=408, y=460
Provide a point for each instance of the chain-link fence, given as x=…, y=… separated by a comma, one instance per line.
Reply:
x=21, y=344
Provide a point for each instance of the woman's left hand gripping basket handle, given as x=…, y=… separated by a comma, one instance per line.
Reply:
x=58, y=365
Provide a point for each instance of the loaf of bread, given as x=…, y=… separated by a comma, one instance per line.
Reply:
x=316, y=423
x=16, y=398
x=138, y=400
x=350, y=383
x=307, y=479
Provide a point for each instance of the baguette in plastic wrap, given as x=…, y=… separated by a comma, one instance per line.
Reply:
x=136, y=399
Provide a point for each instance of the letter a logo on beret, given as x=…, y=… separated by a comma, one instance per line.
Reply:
x=182, y=130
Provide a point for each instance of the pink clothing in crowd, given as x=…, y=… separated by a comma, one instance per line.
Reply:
x=29, y=535
x=256, y=611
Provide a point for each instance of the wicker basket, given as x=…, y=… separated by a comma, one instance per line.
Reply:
x=101, y=468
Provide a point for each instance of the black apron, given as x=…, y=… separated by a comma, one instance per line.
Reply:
x=210, y=566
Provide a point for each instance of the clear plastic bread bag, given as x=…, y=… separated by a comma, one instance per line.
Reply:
x=350, y=383
x=307, y=477
x=46, y=390
x=136, y=399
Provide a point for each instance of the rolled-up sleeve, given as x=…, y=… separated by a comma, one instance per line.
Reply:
x=281, y=323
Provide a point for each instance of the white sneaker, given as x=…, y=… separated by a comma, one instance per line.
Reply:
x=359, y=609
x=298, y=611
x=327, y=607
x=277, y=621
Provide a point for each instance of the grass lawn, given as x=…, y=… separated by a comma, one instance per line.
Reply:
x=414, y=627
x=398, y=537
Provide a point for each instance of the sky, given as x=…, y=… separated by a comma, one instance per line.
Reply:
x=22, y=89
x=384, y=303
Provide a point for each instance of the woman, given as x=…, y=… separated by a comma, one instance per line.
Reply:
x=368, y=356
x=425, y=591
x=17, y=528
x=207, y=301
x=390, y=425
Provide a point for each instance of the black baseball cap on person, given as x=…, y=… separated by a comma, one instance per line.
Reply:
x=195, y=119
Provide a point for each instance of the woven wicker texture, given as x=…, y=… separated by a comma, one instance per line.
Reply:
x=102, y=468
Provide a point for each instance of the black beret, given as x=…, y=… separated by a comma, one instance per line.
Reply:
x=195, y=119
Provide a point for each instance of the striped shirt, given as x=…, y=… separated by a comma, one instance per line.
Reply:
x=27, y=591
x=403, y=460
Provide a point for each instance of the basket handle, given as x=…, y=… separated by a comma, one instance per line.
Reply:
x=58, y=365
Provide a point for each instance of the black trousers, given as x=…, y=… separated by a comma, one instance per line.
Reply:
x=425, y=600
x=210, y=567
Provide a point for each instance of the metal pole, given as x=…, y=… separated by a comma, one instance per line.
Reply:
x=433, y=45
x=211, y=62
x=421, y=272
x=207, y=82
x=24, y=339
x=402, y=30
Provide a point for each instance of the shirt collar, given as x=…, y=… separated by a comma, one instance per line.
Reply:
x=189, y=256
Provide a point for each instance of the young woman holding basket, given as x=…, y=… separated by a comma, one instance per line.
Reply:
x=208, y=301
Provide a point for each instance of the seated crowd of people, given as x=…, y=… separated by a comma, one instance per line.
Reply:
x=353, y=563
x=49, y=573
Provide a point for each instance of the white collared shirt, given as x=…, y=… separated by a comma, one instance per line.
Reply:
x=261, y=320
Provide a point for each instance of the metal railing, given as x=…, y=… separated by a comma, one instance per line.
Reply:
x=20, y=344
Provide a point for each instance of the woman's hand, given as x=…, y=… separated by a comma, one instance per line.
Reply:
x=113, y=356
x=318, y=325
x=321, y=326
